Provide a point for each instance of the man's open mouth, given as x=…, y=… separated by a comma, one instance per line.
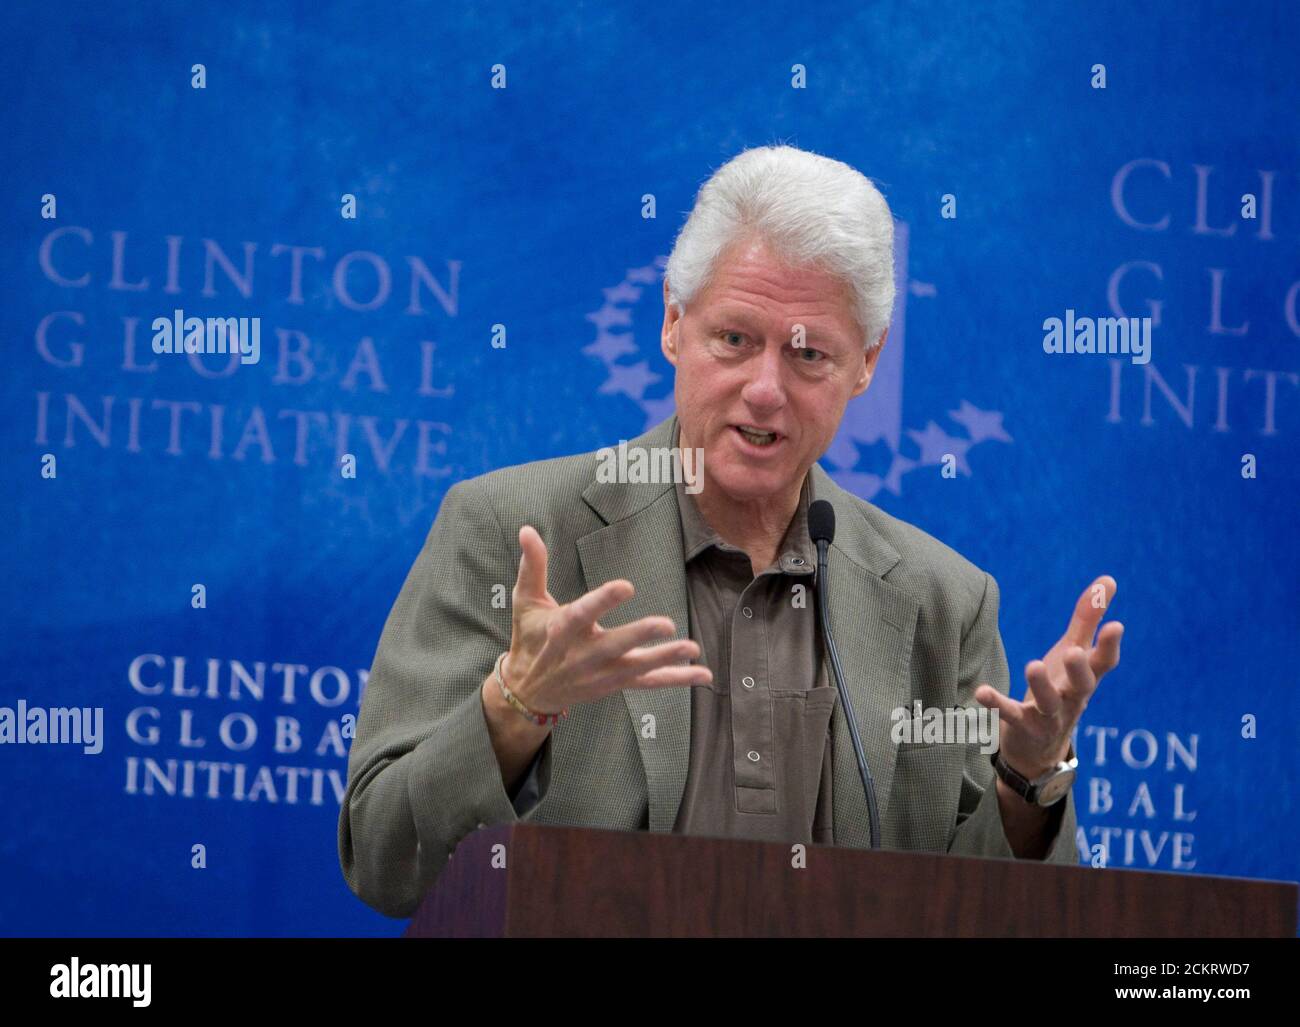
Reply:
x=757, y=436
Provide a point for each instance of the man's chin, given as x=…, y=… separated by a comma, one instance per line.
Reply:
x=742, y=485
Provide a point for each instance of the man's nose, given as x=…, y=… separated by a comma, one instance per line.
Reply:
x=765, y=389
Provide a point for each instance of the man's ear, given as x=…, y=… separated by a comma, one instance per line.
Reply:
x=671, y=330
x=869, y=361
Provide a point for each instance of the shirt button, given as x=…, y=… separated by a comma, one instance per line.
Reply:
x=748, y=682
x=747, y=612
x=797, y=561
x=753, y=756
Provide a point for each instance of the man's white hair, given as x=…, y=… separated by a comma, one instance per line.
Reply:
x=811, y=210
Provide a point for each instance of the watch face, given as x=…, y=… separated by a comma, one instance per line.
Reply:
x=1055, y=789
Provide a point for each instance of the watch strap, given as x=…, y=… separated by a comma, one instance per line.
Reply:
x=1021, y=785
x=1018, y=783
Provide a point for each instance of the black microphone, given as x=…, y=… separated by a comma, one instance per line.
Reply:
x=821, y=529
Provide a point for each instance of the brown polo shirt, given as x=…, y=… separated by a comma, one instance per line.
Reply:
x=760, y=755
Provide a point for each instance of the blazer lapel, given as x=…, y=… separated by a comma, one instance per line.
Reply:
x=874, y=624
x=642, y=542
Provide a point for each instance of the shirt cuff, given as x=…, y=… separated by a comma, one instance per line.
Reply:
x=528, y=794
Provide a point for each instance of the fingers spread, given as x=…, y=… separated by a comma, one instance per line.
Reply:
x=1080, y=680
x=1089, y=610
x=583, y=612
x=615, y=643
x=1008, y=709
x=672, y=677
x=1105, y=657
x=531, y=582
x=1046, y=698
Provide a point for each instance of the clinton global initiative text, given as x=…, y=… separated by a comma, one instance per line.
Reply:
x=241, y=782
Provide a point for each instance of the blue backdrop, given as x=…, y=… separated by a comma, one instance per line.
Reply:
x=133, y=477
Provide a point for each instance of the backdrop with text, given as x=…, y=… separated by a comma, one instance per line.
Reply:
x=448, y=231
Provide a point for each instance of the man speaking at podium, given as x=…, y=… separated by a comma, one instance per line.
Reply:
x=655, y=667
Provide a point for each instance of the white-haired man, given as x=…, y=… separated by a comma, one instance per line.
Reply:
x=656, y=669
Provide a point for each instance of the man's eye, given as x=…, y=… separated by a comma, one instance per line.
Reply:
x=817, y=354
x=728, y=336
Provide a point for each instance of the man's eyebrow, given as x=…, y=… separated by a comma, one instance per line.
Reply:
x=821, y=338
x=733, y=315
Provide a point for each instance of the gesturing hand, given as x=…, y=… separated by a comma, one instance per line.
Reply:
x=559, y=655
x=1035, y=734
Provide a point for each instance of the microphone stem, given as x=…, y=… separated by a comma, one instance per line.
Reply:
x=823, y=616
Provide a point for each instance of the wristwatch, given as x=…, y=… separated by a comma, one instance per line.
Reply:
x=1047, y=790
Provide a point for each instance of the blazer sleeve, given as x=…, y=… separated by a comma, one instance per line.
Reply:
x=422, y=773
x=979, y=821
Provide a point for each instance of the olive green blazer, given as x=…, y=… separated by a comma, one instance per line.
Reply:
x=912, y=620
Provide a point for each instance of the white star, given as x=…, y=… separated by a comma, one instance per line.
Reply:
x=980, y=424
x=935, y=444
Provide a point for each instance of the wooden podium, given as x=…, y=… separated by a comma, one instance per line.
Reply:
x=576, y=882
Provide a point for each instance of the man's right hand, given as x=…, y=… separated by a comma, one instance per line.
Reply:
x=560, y=656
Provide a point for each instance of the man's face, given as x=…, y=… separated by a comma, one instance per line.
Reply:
x=738, y=366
